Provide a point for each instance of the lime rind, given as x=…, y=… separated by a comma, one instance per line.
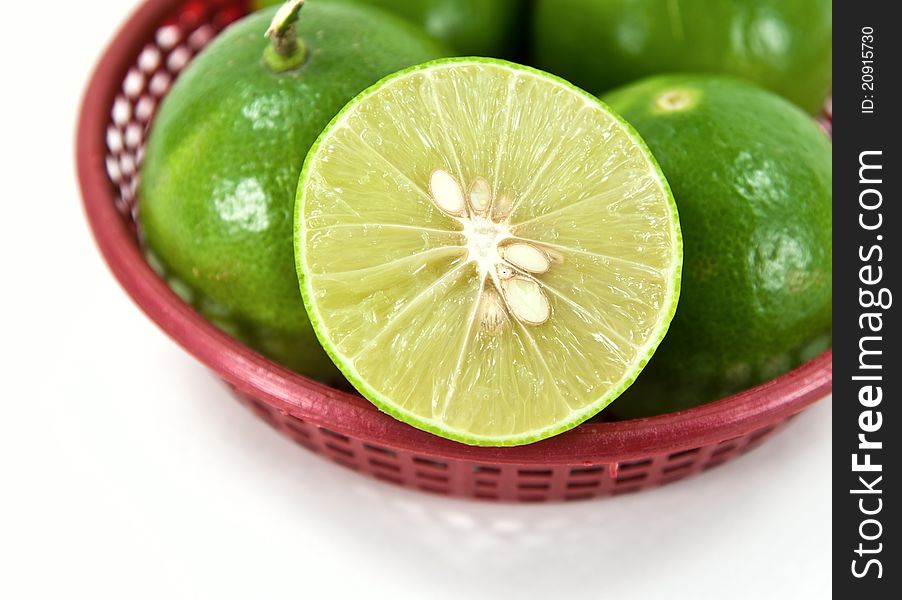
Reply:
x=642, y=355
x=761, y=212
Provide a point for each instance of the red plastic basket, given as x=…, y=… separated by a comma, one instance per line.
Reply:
x=593, y=460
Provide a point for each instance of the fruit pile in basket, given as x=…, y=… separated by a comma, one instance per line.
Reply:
x=487, y=251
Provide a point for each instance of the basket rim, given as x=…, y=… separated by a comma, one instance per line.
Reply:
x=348, y=414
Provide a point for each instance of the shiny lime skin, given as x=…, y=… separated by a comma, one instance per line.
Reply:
x=752, y=178
x=783, y=45
x=221, y=168
x=469, y=27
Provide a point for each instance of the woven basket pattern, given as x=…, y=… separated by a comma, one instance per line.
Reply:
x=512, y=483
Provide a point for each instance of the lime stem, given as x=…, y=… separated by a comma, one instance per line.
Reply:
x=286, y=50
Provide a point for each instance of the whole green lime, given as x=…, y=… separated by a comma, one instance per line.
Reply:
x=219, y=177
x=599, y=44
x=752, y=178
x=469, y=27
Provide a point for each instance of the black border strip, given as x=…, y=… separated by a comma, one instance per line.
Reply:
x=867, y=262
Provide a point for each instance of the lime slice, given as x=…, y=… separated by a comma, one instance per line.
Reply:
x=485, y=251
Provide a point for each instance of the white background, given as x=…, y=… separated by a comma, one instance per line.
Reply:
x=128, y=472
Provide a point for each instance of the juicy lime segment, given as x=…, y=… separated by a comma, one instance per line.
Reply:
x=487, y=252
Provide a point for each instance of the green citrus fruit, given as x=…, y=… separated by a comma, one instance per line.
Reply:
x=224, y=154
x=752, y=177
x=487, y=252
x=786, y=46
x=469, y=27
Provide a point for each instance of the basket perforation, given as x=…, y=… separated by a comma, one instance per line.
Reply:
x=682, y=468
x=633, y=465
x=633, y=478
x=383, y=465
x=684, y=453
x=335, y=451
x=533, y=486
x=428, y=463
x=487, y=470
x=535, y=473
x=590, y=484
x=432, y=477
x=600, y=459
x=373, y=449
x=333, y=435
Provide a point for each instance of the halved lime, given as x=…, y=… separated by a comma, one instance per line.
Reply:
x=487, y=252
